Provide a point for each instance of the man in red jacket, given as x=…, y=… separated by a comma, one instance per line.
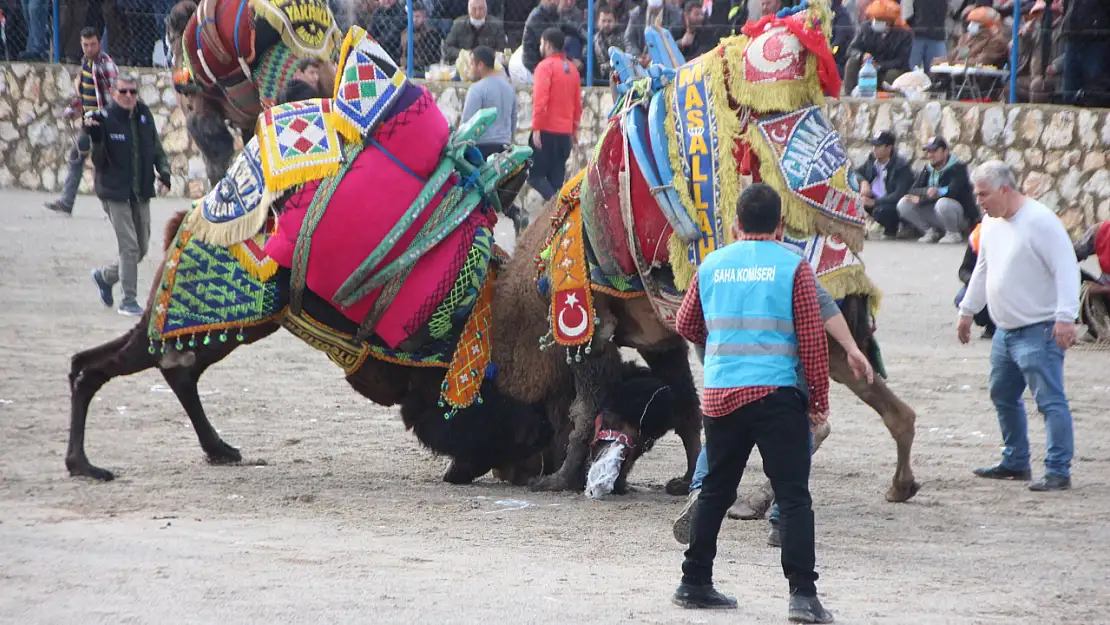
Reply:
x=556, y=112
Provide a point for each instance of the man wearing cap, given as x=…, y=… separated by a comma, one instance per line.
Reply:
x=941, y=203
x=884, y=180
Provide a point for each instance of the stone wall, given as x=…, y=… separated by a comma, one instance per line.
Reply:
x=1059, y=152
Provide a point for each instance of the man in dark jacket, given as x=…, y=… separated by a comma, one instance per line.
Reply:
x=941, y=202
x=426, y=50
x=386, y=25
x=843, y=30
x=694, y=38
x=126, y=151
x=929, y=36
x=889, y=44
x=544, y=16
x=1086, y=36
x=608, y=34
x=476, y=28
x=884, y=180
x=305, y=84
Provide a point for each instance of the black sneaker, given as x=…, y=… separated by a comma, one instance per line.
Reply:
x=808, y=610
x=999, y=472
x=58, y=207
x=1051, y=482
x=702, y=598
x=104, y=288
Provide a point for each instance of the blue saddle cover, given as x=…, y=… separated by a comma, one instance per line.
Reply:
x=640, y=142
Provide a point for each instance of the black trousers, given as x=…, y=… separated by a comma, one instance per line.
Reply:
x=887, y=216
x=549, y=163
x=779, y=426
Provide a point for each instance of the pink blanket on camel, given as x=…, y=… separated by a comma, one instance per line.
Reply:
x=370, y=199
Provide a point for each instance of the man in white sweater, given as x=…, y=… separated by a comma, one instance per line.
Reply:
x=1027, y=275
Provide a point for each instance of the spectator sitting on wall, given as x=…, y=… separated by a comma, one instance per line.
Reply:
x=1086, y=52
x=654, y=12
x=982, y=43
x=884, y=180
x=607, y=35
x=386, y=25
x=1040, y=58
x=305, y=84
x=887, y=38
x=476, y=28
x=694, y=38
x=543, y=17
x=426, y=50
x=929, y=33
x=942, y=202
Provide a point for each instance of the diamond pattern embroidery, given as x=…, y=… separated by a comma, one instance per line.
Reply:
x=298, y=143
x=370, y=84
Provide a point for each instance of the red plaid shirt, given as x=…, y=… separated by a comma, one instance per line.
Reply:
x=813, y=349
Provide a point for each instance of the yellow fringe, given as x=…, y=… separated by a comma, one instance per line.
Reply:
x=262, y=272
x=772, y=97
x=232, y=232
x=354, y=35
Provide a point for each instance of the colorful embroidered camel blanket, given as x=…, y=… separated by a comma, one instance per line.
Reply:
x=368, y=201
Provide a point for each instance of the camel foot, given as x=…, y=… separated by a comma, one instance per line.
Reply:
x=224, y=454
x=752, y=508
x=550, y=483
x=678, y=487
x=84, y=469
x=899, y=494
x=461, y=473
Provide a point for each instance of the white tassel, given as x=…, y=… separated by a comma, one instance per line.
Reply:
x=604, y=473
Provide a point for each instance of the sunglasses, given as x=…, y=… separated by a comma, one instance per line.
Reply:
x=127, y=91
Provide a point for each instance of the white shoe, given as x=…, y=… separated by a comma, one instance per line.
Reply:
x=932, y=235
x=952, y=237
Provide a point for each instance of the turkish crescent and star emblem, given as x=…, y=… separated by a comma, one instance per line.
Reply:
x=774, y=55
x=571, y=320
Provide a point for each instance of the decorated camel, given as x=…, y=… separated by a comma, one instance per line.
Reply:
x=233, y=58
x=608, y=266
x=364, y=226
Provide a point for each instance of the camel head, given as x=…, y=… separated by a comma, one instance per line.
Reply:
x=638, y=411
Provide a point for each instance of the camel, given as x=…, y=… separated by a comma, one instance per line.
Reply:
x=410, y=324
x=575, y=382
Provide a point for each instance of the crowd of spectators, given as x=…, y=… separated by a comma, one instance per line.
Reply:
x=1064, y=49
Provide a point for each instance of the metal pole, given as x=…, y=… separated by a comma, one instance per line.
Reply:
x=1014, y=51
x=590, y=43
x=57, y=29
x=409, y=49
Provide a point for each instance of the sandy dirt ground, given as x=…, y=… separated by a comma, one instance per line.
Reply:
x=348, y=521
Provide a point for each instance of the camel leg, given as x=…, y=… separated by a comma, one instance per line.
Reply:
x=898, y=417
x=90, y=370
x=217, y=146
x=755, y=505
x=670, y=363
x=591, y=378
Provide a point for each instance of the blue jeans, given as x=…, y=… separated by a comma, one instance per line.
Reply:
x=35, y=12
x=1084, y=66
x=702, y=467
x=1030, y=356
x=924, y=51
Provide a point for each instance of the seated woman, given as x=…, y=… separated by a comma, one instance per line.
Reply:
x=971, y=255
x=1094, y=310
x=983, y=43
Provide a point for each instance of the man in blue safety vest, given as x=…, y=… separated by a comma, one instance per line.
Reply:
x=753, y=305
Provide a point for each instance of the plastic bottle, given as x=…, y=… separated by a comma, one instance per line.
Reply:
x=868, y=79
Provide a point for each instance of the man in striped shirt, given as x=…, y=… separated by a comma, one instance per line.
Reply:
x=753, y=305
x=94, y=87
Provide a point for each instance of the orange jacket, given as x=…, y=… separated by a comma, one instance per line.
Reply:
x=556, y=96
